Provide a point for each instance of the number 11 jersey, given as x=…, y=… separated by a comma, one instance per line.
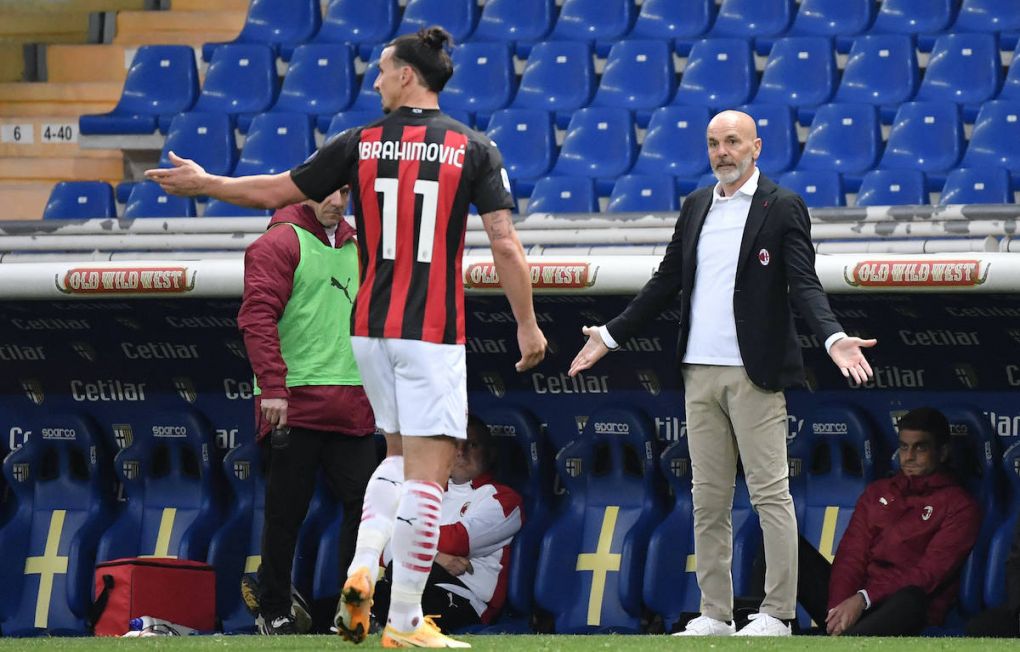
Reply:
x=413, y=174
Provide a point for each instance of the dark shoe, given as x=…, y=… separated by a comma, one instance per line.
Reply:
x=281, y=625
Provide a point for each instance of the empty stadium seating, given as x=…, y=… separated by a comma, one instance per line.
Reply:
x=559, y=76
x=276, y=143
x=365, y=24
x=320, y=80
x=682, y=20
x=344, y=121
x=844, y=138
x=600, y=142
x=817, y=187
x=147, y=199
x=483, y=80
x=646, y=193
x=800, y=72
x=926, y=137
x=638, y=76
x=995, y=591
x=457, y=16
x=280, y=24
x=63, y=492
x=893, y=188
x=719, y=74
x=80, y=200
x=881, y=69
x=977, y=186
x=995, y=138
x=963, y=68
x=206, y=138
x=777, y=128
x=241, y=81
x=563, y=195
x=675, y=144
x=598, y=22
x=842, y=19
x=520, y=22
x=527, y=141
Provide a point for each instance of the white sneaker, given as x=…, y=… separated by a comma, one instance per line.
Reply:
x=764, y=625
x=705, y=626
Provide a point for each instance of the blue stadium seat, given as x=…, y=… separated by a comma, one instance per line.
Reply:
x=241, y=81
x=777, y=128
x=679, y=21
x=343, y=121
x=998, y=550
x=645, y=193
x=217, y=208
x=719, y=74
x=753, y=19
x=525, y=462
x=992, y=16
x=162, y=81
x=527, y=141
x=171, y=487
x=839, y=19
x=367, y=98
x=564, y=195
x=819, y=188
x=365, y=24
x=560, y=77
x=963, y=68
x=882, y=70
x=522, y=22
x=457, y=16
x=801, y=72
x=599, y=22
x=921, y=18
x=706, y=180
x=1011, y=85
x=893, y=188
x=147, y=199
x=206, y=138
x=926, y=136
x=592, y=559
x=985, y=185
x=62, y=486
x=483, y=80
x=675, y=144
x=600, y=142
x=995, y=140
x=80, y=200
x=320, y=80
x=844, y=138
x=280, y=24
x=638, y=76
x=276, y=142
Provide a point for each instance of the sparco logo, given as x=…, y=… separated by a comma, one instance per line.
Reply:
x=169, y=431
x=611, y=428
x=59, y=433
x=502, y=430
x=829, y=428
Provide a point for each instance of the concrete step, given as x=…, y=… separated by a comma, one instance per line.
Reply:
x=25, y=169
x=210, y=5
x=88, y=63
x=23, y=200
x=177, y=27
x=57, y=99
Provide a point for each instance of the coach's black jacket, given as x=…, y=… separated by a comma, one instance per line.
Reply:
x=776, y=265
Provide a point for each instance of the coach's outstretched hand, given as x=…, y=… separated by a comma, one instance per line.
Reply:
x=186, y=178
x=590, y=353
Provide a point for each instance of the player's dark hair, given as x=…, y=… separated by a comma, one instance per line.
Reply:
x=929, y=420
x=478, y=432
x=425, y=51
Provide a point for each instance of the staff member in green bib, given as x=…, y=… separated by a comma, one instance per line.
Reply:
x=300, y=279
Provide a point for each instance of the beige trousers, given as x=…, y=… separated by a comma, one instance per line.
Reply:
x=728, y=415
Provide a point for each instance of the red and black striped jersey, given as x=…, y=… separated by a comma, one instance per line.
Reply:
x=413, y=175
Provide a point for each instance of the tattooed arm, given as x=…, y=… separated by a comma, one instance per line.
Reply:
x=515, y=277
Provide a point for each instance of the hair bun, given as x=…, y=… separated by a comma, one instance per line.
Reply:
x=435, y=37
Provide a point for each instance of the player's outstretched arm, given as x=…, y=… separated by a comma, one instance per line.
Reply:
x=188, y=178
x=515, y=277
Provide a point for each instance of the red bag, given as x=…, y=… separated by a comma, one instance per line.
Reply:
x=177, y=590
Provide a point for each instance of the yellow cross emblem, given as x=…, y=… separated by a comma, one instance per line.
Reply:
x=601, y=563
x=47, y=566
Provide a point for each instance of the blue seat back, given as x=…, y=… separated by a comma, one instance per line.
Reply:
x=563, y=195
x=600, y=142
x=62, y=486
x=674, y=19
x=963, y=68
x=800, y=71
x=592, y=559
x=843, y=138
x=217, y=208
x=753, y=18
x=1011, y=85
x=648, y=193
x=241, y=79
x=590, y=20
x=162, y=80
x=80, y=200
x=276, y=143
x=341, y=122
x=171, y=490
x=881, y=69
x=483, y=78
x=995, y=591
x=367, y=98
x=675, y=142
x=206, y=138
x=515, y=20
x=559, y=76
x=279, y=22
x=977, y=186
x=925, y=136
x=719, y=74
x=987, y=16
x=638, y=75
x=833, y=17
x=913, y=16
x=819, y=188
x=319, y=81
x=777, y=126
x=457, y=16
x=526, y=139
x=995, y=141
x=147, y=199
x=893, y=188
x=356, y=21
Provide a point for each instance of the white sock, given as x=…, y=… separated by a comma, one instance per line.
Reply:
x=382, y=495
x=415, y=537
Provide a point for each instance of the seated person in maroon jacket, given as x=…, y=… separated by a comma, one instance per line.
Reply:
x=897, y=568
